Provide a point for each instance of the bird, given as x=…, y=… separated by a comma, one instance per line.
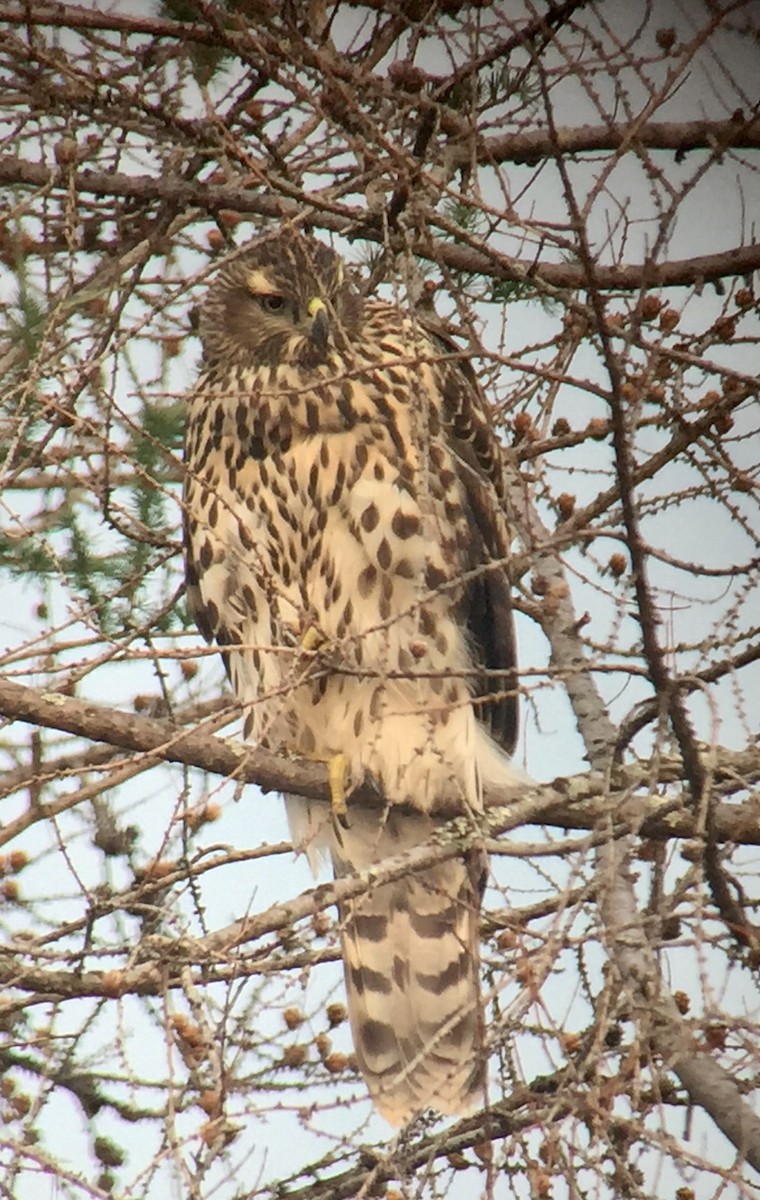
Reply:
x=347, y=548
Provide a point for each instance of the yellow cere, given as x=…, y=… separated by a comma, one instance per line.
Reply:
x=316, y=305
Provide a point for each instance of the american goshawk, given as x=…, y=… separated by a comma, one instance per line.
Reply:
x=347, y=549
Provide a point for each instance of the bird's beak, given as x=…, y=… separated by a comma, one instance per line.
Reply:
x=320, y=323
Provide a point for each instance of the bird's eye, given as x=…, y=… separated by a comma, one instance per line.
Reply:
x=272, y=303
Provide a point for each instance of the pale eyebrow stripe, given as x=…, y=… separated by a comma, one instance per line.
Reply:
x=258, y=282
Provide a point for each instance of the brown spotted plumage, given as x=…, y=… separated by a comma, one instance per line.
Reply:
x=346, y=548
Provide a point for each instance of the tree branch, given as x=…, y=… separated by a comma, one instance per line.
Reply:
x=679, y=136
x=654, y=1008
x=738, y=132
x=567, y=803
x=168, y=954
x=708, y=1083
x=352, y=221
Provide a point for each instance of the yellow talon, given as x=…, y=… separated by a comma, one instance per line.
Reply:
x=312, y=639
x=337, y=769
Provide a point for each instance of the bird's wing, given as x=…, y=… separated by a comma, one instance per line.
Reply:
x=487, y=602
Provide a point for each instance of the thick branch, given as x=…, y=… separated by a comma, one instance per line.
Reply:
x=164, y=740
x=347, y=220
x=537, y=145
x=568, y=804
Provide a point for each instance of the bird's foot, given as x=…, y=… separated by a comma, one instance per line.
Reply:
x=337, y=772
x=312, y=639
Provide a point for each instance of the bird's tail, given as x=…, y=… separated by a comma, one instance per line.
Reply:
x=411, y=958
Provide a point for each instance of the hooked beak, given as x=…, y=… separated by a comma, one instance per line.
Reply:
x=320, y=323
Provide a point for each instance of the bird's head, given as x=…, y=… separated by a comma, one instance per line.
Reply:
x=284, y=299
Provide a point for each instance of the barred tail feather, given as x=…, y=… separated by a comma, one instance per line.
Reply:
x=411, y=958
